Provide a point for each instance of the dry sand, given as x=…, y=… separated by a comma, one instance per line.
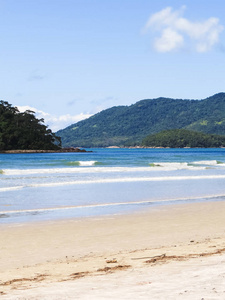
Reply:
x=169, y=252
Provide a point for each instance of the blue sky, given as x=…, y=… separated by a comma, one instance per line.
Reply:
x=68, y=59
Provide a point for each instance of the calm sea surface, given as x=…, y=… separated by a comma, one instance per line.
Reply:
x=36, y=187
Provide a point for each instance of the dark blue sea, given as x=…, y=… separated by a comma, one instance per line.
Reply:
x=51, y=186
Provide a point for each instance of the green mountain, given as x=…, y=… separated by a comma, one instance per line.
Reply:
x=128, y=125
x=180, y=138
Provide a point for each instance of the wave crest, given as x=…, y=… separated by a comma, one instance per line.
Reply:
x=87, y=163
x=175, y=166
x=207, y=162
x=83, y=163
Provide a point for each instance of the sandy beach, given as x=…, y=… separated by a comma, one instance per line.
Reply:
x=167, y=252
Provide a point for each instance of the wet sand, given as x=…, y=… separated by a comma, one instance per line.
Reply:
x=167, y=252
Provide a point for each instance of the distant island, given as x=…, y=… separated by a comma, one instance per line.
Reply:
x=126, y=126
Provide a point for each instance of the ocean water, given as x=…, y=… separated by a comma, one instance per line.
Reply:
x=50, y=186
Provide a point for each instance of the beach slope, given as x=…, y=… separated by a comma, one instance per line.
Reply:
x=168, y=252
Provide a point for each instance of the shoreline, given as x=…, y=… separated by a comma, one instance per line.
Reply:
x=36, y=257
x=82, y=150
x=63, y=150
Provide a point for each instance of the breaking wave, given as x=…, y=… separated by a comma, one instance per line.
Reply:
x=170, y=166
x=202, y=164
x=84, y=163
x=97, y=167
x=208, y=162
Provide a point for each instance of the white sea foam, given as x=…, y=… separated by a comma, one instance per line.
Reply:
x=87, y=163
x=46, y=171
x=109, y=204
x=11, y=188
x=115, y=180
x=206, y=162
x=172, y=165
x=196, y=165
x=83, y=163
x=88, y=169
x=68, y=170
x=131, y=179
x=176, y=164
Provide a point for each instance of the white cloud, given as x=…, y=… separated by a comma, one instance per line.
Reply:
x=165, y=17
x=176, y=31
x=55, y=122
x=169, y=40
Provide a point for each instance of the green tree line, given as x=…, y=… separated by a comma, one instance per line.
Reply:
x=180, y=138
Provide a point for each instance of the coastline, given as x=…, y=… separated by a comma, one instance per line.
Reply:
x=40, y=257
x=82, y=150
x=63, y=150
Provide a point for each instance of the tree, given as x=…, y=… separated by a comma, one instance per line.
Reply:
x=24, y=131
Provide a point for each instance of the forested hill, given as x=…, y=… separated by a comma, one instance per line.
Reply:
x=23, y=131
x=128, y=125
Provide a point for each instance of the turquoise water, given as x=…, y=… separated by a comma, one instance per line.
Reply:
x=36, y=187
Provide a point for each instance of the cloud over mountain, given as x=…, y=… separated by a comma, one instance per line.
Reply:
x=55, y=122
